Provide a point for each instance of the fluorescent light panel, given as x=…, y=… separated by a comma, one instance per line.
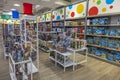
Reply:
x=45, y=0
x=60, y=3
x=13, y=9
x=17, y=5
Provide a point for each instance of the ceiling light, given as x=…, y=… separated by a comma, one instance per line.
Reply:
x=13, y=9
x=17, y=5
x=60, y=3
x=37, y=6
x=8, y=13
x=45, y=0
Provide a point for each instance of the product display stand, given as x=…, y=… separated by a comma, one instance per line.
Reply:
x=24, y=74
x=65, y=63
x=4, y=38
x=29, y=38
x=63, y=59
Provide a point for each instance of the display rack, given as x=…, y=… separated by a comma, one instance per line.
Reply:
x=22, y=75
x=29, y=38
x=63, y=57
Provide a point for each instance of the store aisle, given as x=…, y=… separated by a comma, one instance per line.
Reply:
x=4, y=69
x=94, y=70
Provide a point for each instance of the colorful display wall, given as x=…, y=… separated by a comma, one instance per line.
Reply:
x=48, y=16
x=76, y=11
x=42, y=18
x=98, y=7
x=58, y=15
x=38, y=19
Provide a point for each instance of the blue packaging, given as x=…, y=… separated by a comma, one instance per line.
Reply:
x=94, y=29
x=94, y=21
x=107, y=32
x=89, y=31
x=118, y=56
x=94, y=50
x=112, y=33
x=119, y=20
x=103, y=52
x=98, y=53
x=110, y=57
x=118, y=32
x=103, y=20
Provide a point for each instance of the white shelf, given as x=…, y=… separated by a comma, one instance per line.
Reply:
x=12, y=76
x=64, y=54
x=32, y=68
x=66, y=64
x=82, y=49
x=52, y=58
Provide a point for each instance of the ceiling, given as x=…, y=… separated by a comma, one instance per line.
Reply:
x=7, y=5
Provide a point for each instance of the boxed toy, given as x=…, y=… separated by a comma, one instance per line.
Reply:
x=103, y=21
x=118, y=20
x=103, y=53
x=94, y=21
x=104, y=42
x=94, y=29
x=112, y=32
x=89, y=30
x=98, y=52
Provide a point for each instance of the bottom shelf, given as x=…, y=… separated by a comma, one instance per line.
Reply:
x=67, y=64
x=104, y=59
x=12, y=76
x=34, y=69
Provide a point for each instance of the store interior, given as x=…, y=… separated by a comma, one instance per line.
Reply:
x=60, y=40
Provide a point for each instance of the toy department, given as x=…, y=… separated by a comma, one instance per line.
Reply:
x=59, y=44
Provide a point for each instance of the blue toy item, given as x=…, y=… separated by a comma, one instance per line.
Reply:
x=118, y=32
x=89, y=31
x=107, y=32
x=94, y=29
x=98, y=31
x=94, y=21
x=119, y=20
x=93, y=50
x=90, y=40
x=103, y=21
x=103, y=52
x=112, y=33
x=110, y=57
x=118, y=56
x=98, y=53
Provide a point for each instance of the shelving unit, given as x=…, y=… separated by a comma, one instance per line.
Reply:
x=63, y=58
x=29, y=38
x=102, y=34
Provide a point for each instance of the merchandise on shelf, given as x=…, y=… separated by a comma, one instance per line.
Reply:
x=99, y=21
x=74, y=23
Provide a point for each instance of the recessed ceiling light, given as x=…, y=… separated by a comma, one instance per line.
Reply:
x=60, y=3
x=17, y=5
x=13, y=9
x=37, y=6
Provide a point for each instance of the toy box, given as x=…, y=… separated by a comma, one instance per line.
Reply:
x=98, y=52
x=103, y=21
x=89, y=30
x=94, y=21
x=112, y=32
x=104, y=42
